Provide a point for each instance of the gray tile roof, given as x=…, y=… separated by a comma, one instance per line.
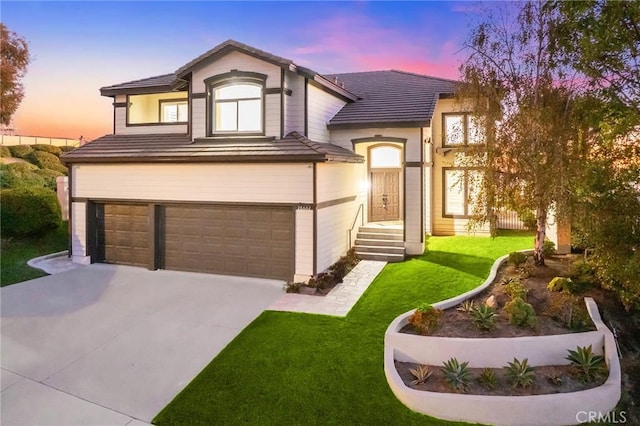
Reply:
x=162, y=82
x=235, y=45
x=180, y=148
x=389, y=97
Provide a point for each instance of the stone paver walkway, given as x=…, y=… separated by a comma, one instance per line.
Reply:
x=340, y=300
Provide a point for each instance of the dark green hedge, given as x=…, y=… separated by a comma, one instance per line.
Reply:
x=49, y=177
x=29, y=211
x=20, y=151
x=51, y=149
x=5, y=152
x=45, y=160
x=20, y=175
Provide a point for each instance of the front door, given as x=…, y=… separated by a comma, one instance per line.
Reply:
x=385, y=195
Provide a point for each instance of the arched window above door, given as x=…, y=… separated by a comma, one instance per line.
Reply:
x=385, y=157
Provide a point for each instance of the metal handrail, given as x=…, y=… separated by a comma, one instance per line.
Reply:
x=355, y=219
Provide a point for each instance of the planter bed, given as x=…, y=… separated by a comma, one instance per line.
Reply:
x=549, y=409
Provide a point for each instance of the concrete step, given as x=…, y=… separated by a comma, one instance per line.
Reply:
x=386, y=243
x=381, y=230
x=378, y=236
x=379, y=249
x=385, y=257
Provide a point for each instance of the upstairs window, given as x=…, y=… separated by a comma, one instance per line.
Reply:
x=460, y=129
x=237, y=108
x=173, y=111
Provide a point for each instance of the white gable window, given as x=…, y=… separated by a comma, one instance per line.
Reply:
x=460, y=129
x=173, y=111
x=460, y=189
x=237, y=108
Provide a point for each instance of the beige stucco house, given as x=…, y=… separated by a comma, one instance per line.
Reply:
x=242, y=162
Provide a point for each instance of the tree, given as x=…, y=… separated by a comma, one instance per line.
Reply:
x=524, y=100
x=14, y=58
x=601, y=39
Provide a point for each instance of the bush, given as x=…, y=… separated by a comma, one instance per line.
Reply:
x=29, y=211
x=515, y=289
x=570, y=311
x=548, y=247
x=517, y=258
x=20, y=151
x=561, y=284
x=51, y=149
x=66, y=149
x=5, y=152
x=425, y=318
x=583, y=275
x=49, y=177
x=44, y=160
x=19, y=175
x=521, y=313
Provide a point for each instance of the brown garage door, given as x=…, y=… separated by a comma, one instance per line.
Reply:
x=123, y=234
x=235, y=240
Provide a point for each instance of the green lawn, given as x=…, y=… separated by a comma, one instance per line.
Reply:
x=301, y=369
x=15, y=252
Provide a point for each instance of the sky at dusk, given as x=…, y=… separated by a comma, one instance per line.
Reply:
x=78, y=47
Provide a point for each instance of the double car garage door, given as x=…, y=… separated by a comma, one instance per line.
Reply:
x=253, y=241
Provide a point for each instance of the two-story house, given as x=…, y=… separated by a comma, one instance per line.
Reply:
x=242, y=162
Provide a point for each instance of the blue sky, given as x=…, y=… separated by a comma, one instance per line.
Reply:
x=78, y=47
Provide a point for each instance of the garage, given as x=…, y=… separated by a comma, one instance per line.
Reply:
x=123, y=234
x=253, y=241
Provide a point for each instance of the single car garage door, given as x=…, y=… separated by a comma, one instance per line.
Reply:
x=236, y=240
x=123, y=234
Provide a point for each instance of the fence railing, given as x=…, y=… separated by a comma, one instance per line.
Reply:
x=33, y=140
x=508, y=219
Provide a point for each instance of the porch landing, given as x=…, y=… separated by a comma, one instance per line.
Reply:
x=382, y=241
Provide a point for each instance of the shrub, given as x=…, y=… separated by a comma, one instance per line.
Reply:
x=515, y=289
x=548, y=247
x=5, y=152
x=20, y=175
x=456, y=375
x=583, y=275
x=321, y=281
x=570, y=311
x=589, y=365
x=66, y=149
x=421, y=374
x=425, y=318
x=292, y=287
x=521, y=313
x=520, y=373
x=517, y=258
x=488, y=379
x=49, y=177
x=484, y=317
x=20, y=151
x=29, y=211
x=51, y=149
x=560, y=284
x=44, y=160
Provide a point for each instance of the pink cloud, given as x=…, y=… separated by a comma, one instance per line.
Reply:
x=356, y=42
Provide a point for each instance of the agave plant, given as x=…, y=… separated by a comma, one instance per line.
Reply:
x=589, y=365
x=488, y=379
x=520, y=373
x=467, y=306
x=484, y=317
x=421, y=374
x=457, y=375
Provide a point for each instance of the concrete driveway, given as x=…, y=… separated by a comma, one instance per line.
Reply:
x=112, y=345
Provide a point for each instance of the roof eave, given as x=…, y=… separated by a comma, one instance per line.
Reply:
x=316, y=158
x=106, y=91
x=378, y=124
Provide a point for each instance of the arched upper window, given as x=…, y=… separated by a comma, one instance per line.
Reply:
x=237, y=108
x=385, y=157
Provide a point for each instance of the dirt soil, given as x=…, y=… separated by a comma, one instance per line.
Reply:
x=454, y=323
x=543, y=384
